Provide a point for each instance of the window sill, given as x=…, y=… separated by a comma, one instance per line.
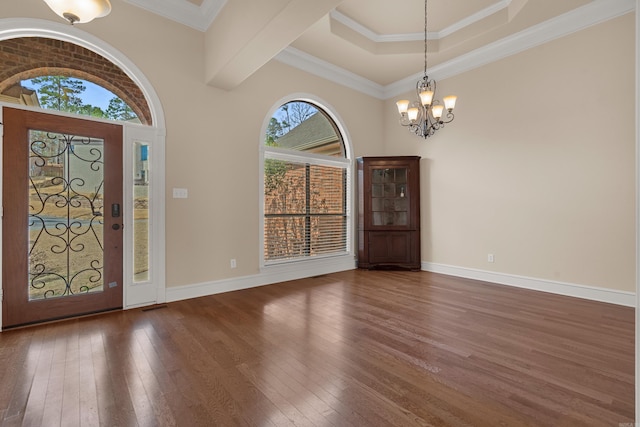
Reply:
x=299, y=269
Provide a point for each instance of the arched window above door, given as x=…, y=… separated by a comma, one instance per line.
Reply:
x=25, y=58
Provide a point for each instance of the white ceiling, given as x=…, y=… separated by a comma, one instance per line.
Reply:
x=377, y=46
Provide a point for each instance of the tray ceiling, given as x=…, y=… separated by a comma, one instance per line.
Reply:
x=378, y=42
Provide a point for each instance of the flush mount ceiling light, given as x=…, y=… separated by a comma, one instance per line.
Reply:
x=425, y=116
x=80, y=11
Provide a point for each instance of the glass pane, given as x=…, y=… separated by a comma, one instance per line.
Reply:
x=389, y=201
x=305, y=211
x=389, y=175
x=401, y=204
x=301, y=126
x=401, y=175
x=378, y=218
x=401, y=218
x=141, y=212
x=389, y=190
x=377, y=175
x=328, y=234
x=66, y=189
x=285, y=187
x=326, y=190
x=389, y=204
x=286, y=238
x=389, y=218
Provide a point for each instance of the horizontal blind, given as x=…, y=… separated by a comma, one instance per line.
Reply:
x=305, y=213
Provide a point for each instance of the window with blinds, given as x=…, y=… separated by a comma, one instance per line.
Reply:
x=305, y=186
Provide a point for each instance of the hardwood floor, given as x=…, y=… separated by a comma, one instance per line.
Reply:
x=358, y=348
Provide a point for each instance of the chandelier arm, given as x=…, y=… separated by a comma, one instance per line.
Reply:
x=449, y=117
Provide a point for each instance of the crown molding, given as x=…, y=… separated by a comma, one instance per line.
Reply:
x=586, y=16
x=196, y=17
x=476, y=17
x=313, y=65
x=409, y=37
x=375, y=37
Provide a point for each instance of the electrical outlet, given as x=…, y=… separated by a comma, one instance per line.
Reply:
x=490, y=258
x=232, y=263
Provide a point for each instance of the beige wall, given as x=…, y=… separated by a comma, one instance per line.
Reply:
x=538, y=166
x=215, y=155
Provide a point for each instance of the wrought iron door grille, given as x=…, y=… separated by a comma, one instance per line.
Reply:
x=66, y=254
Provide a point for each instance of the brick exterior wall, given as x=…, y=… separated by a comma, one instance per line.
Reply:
x=28, y=57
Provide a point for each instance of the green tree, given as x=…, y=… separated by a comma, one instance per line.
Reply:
x=67, y=94
x=60, y=93
x=91, y=110
x=274, y=131
x=119, y=110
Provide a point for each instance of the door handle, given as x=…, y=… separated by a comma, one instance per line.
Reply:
x=116, y=226
x=115, y=210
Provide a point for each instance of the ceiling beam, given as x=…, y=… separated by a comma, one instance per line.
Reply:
x=249, y=33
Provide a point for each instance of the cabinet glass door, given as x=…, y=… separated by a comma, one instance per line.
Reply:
x=389, y=199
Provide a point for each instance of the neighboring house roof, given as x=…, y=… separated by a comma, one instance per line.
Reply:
x=18, y=94
x=316, y=134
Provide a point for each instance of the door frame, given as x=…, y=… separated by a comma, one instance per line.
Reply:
x=152, y=291
x=31, y=27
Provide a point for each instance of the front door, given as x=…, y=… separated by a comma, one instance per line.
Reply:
x=62, y=217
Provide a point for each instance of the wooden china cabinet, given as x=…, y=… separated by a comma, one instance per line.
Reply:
x=389, y=212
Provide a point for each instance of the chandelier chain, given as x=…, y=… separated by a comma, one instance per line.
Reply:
x=425, y=37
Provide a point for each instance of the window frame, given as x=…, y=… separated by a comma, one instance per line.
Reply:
x=321, y=263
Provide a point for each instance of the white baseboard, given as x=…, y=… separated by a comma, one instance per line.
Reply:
x=283, y=273
x=611, y=296
x=268, y=275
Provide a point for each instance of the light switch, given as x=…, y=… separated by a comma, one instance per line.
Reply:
x=180, y=193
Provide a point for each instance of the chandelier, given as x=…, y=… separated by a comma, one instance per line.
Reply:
x=425, y=116
x=80, y=11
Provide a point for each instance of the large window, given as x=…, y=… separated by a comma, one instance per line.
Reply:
x=305, y=185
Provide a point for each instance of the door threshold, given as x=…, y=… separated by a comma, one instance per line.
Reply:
x=60, y=319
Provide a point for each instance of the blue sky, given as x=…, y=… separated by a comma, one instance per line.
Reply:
x=94, y=94
x=97, y=95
